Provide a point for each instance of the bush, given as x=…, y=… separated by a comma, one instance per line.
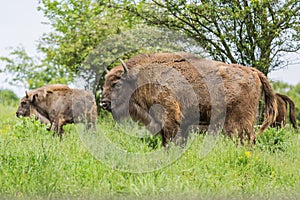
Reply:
x=8, y=97
x=274, y=140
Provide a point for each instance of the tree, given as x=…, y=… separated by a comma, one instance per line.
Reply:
x=77, y=28
x=33, y=72
x=253, y=33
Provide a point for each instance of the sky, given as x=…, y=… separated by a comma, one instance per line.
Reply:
x=21, y=24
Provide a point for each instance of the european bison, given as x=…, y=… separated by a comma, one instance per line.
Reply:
x=26, y=110
x=282, y=102
x=169, y=92
x=60, y=105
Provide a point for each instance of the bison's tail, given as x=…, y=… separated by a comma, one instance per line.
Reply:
x=270, y=103
x=292, y=109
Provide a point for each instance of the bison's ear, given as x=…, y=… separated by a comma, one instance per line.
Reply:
x=133, y=75
x=34, y=98
x=31, y=97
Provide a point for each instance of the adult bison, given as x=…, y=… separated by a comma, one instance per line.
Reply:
x=170, y=92
x=60, y=105
x=282, y=102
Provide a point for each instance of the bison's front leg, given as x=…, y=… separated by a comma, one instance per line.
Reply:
x=142, y=115
x=173, y=118
x=172, y=132
x=162, y=117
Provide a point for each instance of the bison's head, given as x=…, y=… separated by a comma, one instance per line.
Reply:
x=118, y=88
x=25, y=106
x=112, y=78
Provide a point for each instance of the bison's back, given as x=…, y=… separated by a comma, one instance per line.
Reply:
x=201, y=74
x=73, y=105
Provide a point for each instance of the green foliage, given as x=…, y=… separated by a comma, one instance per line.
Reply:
x=29, y=123
x=32, y=72
x=252, y=33
x=35, y=165
x=79, y=27
x=8, y=97
x=273, y=140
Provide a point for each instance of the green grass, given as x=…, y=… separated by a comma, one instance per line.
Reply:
x=34, y=165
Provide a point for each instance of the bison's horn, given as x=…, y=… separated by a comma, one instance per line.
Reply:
x=106, y=70
x=124, y=66
x=26, y=94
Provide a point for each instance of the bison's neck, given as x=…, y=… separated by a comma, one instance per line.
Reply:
x=41, y=111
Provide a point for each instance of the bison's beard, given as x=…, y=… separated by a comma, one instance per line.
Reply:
x=120, y=110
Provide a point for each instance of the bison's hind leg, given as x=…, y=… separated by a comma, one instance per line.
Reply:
x=241, y=131
x=246, y=137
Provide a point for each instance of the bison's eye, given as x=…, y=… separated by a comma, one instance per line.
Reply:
x=117, y=85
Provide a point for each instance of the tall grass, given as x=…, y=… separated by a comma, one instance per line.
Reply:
x=35, y=165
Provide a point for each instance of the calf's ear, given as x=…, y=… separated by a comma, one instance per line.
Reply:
x=35, y=98
x=30, y=96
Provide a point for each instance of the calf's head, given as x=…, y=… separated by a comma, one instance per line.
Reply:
x=25, y=106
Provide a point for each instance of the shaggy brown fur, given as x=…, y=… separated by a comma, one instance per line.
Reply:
x=171, y=92
x=60, y=105
x=282, y=102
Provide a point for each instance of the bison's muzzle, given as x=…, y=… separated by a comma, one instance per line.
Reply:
x=105, y=104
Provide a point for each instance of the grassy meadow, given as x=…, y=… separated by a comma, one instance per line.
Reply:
x=35, y=165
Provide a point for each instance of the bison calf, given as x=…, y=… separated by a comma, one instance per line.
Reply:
x=59, y=105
